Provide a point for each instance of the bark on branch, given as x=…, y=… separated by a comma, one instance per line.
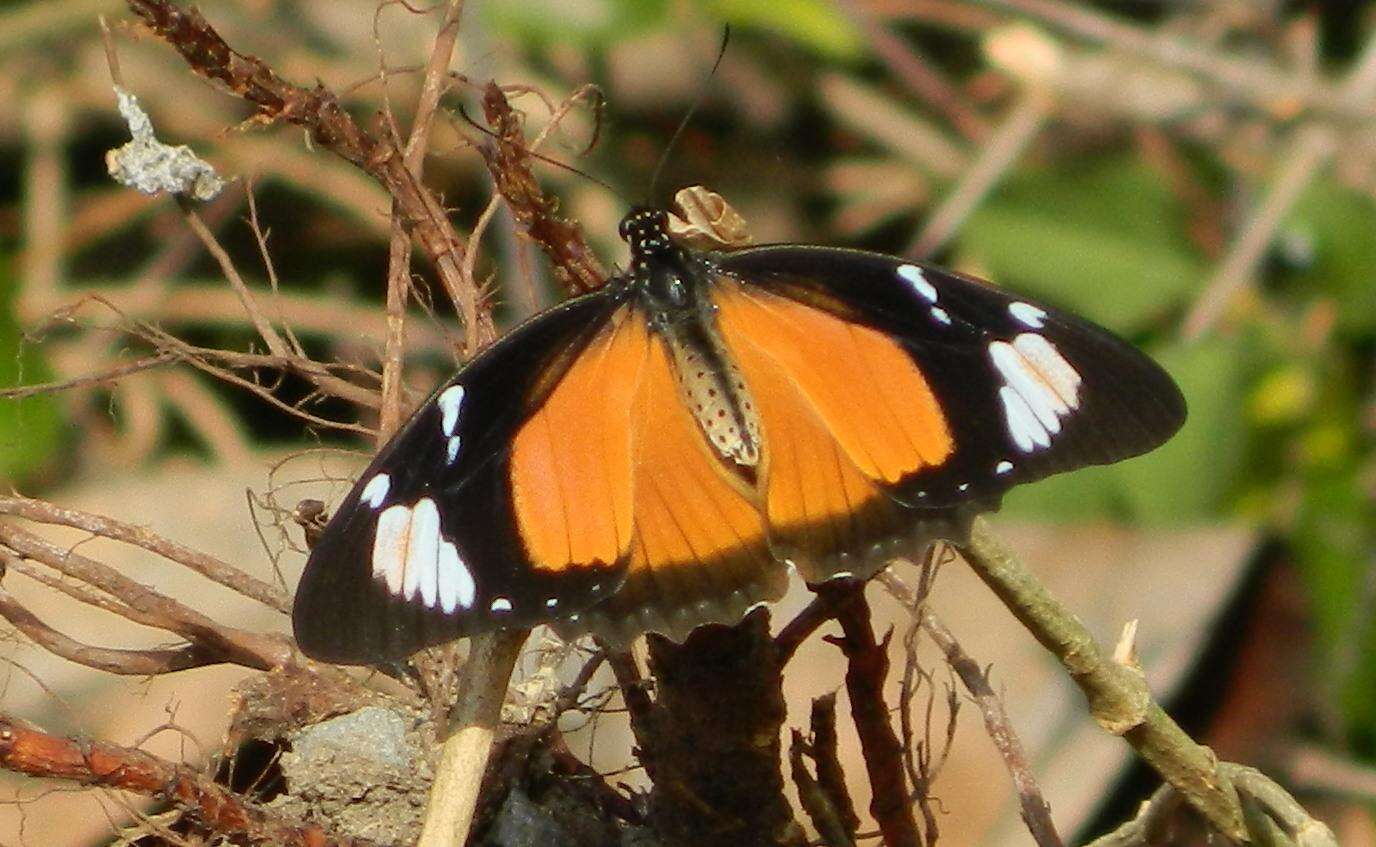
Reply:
x=215, y=810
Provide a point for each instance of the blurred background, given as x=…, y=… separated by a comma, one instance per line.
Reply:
x=1197, y=175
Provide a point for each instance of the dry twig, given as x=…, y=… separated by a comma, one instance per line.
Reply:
x=575, y=265
x=226, y=644
x=218, y=811
x=208, y=566
x=318, y=111
x=867, y=670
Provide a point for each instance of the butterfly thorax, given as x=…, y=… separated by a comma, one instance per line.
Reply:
x=671, y=288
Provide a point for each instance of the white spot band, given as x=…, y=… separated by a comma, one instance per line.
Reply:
x=376, y=490
x=918, y=281
x=1040, y=389
x=450, y=402
x=1028, y=314
x=414, y=561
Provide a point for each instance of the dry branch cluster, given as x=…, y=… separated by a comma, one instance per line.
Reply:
x=707, y=715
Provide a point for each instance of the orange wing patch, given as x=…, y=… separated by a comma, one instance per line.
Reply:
x=571, y=461
x=864, y=387
x=699, y=551
x=844, y=412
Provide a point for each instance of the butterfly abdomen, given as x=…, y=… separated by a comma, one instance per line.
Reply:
x=713, y=389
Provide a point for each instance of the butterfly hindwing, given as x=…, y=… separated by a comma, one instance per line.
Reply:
x=428, y=545
x=1024, y=389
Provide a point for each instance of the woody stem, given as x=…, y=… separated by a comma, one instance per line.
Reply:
x=482, y=685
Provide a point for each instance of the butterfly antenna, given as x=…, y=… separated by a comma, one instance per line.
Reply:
x=564, y=166
x=692, y=110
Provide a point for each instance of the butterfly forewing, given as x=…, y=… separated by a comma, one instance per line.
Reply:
x=428, y=545
x=1024, y=390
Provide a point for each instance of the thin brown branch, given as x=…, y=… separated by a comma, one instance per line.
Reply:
x=216, y=570
x=818, y=805
x=575, y=265
x=77, y=591
x=867, y=670
x=826, y=756
x=821, y=609
x=920, y=758
x=391, y=405
x=208, y=303
x=289, y=355
x=105, y=377
x=319, y=112
x=1036, y=813
x=321, y=374
x=273, y=400
x=399, y=247
x=213, y=808
x=260, y=236
x=570, y=694
x=251, y=649
x=127, y=662
x=265, y=329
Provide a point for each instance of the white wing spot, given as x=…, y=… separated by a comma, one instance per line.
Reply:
x=551, y=602
x=455, y=584
x=453, y=448
x=940, y=314
x=391, y=538
x=376, y=490
x=1028, y=434
x=913, y=274
x=963, y=487
x=1003, y=467
x=422, y=554
x=501, y=604
x=1051, y=366
x=1028, y=314
x=1040, y=388
x=450, y=402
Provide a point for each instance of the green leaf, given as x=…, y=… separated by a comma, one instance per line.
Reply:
x=586, y=23
x=31, y=427
x=1189, y=477
x=1333, y=539
x=1087, y=495
x=1339, y=227
x=1105, y=240
x=812, y=23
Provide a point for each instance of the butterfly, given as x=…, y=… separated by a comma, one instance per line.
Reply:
x=658, y=453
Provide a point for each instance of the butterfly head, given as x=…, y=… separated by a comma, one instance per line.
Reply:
x=661, y=268
x=646, y=230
